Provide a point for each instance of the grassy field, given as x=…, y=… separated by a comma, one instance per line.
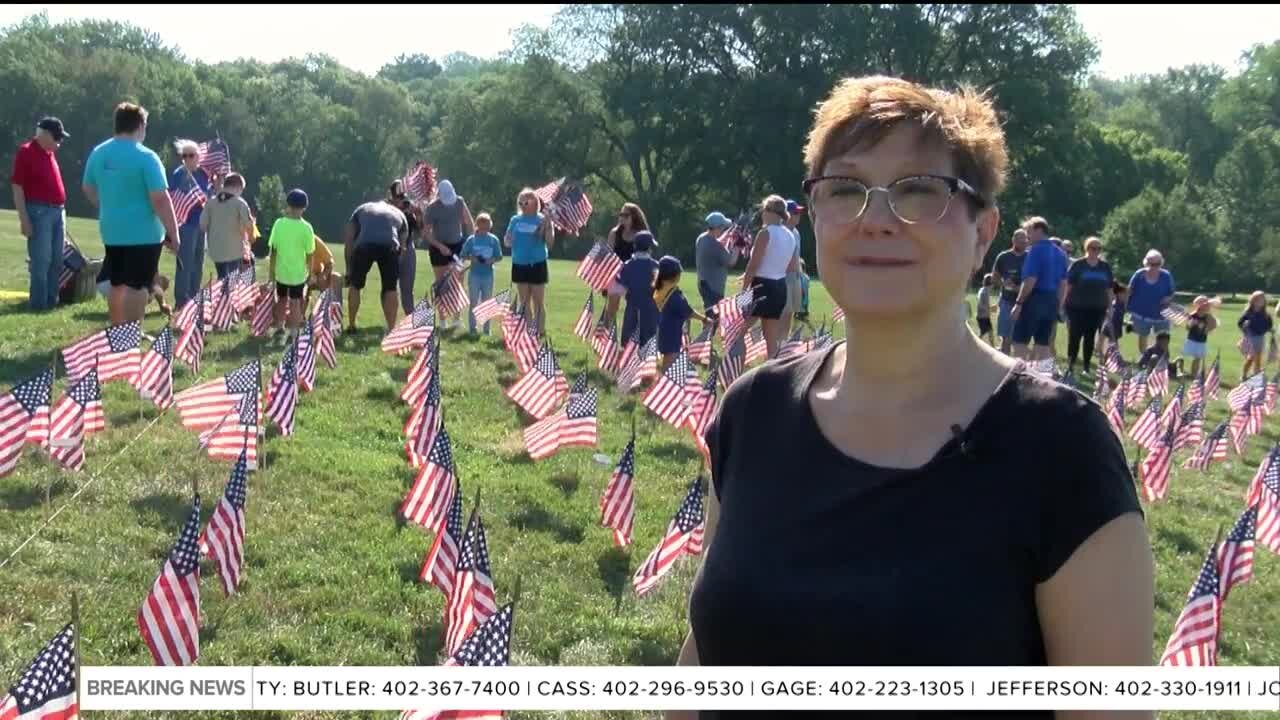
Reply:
x=331, y=574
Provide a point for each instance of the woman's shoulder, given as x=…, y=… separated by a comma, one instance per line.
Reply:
x=772, y=383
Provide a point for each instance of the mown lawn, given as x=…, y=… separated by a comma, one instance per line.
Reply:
x=331, y=574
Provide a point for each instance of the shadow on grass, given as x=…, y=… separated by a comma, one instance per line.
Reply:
x=676, y=450
x=382, y=394
x=169, y=510
x=98, y=317
x=1179, y=539
x=537, y=519
x=19, y=498
x=650, y=651
x=428, y=641
x=567, y=483
x=614, y=566
x=409, y=572
x=20, y=367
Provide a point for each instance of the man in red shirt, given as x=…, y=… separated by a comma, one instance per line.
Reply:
x=40, y=198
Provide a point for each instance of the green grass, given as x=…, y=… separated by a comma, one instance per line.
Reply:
x=331, y=575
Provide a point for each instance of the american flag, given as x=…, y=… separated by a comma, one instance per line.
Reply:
x=684, y=536
x=566, y=204
x=756, y=347
x=666, y=398
x=472, y=600
x=1158, y=378
x=224, y=315
x=169, y=618
x=263, y=308
x=731, y=313
x=72, y=263
x=428, y=500
x=1190, y=427
x=1195, y=635
x=419, y=182
x=731, y=365
x=450, y=298
x=46, y=690
x=1113, y=361
x=306, y=357
x=573, y=426
x=424, y=366
x=1235, y=555
x=1174, y=408
x=494, y=307
x=186, y=316
x=700, y=349
x=1176, y=313
x=642, y=365
x=488, y=646
x=738, y=235
x=425, y=420
x=215, y=156
x=282, y=395
x=185, y=201
x=599, y=267
x=1267, y=500
x=1214, y=378
x=24, y=417
x=113, y=352
x=605, y=344
x=77, y=414
x=154, y=380
x=1242, y=423
x=579, y=385
x=332, y=302
x=243, y=290
x=1146, y=429
x=441, y=562
x=837, y=315
x=1154, y=470
x=223, y=538
x=322, y=335
x=618, y=503
x=1115, y=413
x=1214, y=448
x=1273, y=387
x=794, y=345
x=521, y=340
x=583, y=327
x=226, y=409
x=701, y=411
x=1100, y=384
x=542, y=388
x=191, y=344
x=1255, y=485
x=411, y=332
x=1240, y=394
x=1137, y=389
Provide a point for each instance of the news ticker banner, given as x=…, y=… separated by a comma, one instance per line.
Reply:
x=679, y=688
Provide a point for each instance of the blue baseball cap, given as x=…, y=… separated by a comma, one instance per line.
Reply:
x=669, y=265
x=296, y=198
x=643, y=241
x=718, y=220
x=794, y=208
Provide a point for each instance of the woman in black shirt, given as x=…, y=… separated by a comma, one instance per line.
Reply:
x=911, y=496
x=1089, y=282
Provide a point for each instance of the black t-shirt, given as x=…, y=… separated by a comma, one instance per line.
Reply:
x=1197, y=329
x=1009, y=266
x=1089, y=285
x=820, y=559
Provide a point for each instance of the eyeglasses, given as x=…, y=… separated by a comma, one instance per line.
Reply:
x=188, y=155
x=913, y=199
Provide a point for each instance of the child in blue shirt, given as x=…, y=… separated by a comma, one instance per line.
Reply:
x=674, y=310
x=484, y=250
x=636, y=278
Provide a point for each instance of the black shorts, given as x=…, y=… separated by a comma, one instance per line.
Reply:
x=438, y=260
x=362, y=261
x=535, y=274
x=132, y=265
x=293, y=291
x=984, y=325
x=769, y=298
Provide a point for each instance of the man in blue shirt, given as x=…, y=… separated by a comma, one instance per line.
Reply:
x=1043, y=291
x=191, y=240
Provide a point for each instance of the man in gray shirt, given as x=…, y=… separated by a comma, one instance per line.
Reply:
x=713, y=260
x=376, y=233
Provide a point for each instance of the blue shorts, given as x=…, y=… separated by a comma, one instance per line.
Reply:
x=1037, y=319
x=1193, y=349
x=1142, y=326
x=1004, y=320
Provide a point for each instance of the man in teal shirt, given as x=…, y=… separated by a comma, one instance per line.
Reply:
x=125, y=180
x=483, y=249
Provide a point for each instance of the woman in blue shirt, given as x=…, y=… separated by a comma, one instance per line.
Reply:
x=192, y=239
x=1150, y=291
x=530, y=236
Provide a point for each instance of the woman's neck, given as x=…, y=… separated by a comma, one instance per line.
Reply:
x=896, y=366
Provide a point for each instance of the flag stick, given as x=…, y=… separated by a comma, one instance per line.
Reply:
x=515, y=596
x=77, y=634
x=1217, y=538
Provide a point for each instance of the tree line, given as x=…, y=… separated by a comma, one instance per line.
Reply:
x=687, y=108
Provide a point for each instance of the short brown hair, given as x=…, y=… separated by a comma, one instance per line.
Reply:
x=1035, y=221
x=234, y=180
x=129, y=117
x=862, y=111
x=776, y=205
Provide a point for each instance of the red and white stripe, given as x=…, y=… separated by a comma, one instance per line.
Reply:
x=618, y=503
x=667, y=397
x=541, y=388
x=583, y=327
x=1146, y=429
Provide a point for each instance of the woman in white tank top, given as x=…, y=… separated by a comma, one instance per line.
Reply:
x=772, y=257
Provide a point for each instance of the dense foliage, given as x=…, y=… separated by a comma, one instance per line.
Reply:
x=686, y=108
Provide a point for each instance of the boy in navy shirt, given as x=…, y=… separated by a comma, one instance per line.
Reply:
x=640, y=319
x=674, y=310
